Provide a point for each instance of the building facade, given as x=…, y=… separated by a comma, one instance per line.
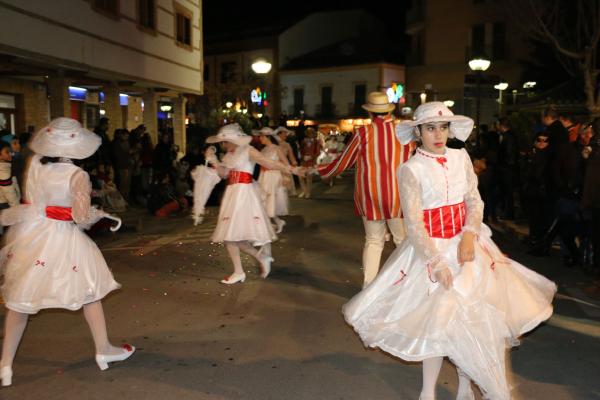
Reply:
x=445, y=35
x=336, y=92
x=125, y=60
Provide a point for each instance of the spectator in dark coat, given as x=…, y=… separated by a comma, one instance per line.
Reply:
x=565, y=184
x=508, y=166
x=122, y=162
x=163, y=157
x=536, y=190
x=590, y=199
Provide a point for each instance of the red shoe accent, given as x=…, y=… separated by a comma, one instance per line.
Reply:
x=128, y=347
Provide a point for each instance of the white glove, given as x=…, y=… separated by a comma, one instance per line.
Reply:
x=442, y=274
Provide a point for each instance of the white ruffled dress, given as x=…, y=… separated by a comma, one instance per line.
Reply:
x=273, y=191
x=492, y=302
x=51, y=263
x=242, y=216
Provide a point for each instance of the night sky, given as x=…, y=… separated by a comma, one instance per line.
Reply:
x=223, y=16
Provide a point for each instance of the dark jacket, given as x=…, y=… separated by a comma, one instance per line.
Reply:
x=538, y=174
x=591, y=184
x=508, y=150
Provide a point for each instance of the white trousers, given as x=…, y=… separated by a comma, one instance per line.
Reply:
x=374, y=242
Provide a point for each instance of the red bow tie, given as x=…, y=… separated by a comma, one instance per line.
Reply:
x=442, y=161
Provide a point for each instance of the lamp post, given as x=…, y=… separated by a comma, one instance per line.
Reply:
x=501, y=87
x=261, y=67
x=479, y=65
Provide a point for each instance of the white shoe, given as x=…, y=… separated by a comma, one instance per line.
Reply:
x=6, y=376
x=280, y=224
x=307, y=196
x=103, y=360
x=234, y=278
x=265, y=265
x=301, y=195
x=197, y=219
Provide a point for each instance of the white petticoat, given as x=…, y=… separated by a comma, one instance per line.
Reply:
x=273, y=193
x=242, y=216
x=52, y=264
x=493, y=301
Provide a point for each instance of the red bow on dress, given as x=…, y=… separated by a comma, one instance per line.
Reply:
x=442, y=161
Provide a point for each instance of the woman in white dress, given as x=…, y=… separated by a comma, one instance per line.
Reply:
x=273, y=190
x=47, y=261
x=243, y=222
x=281, y=134
x=447, y=290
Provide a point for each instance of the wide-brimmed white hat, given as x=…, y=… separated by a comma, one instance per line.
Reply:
x=435, y=111
x=65, y=137
x=283, y=129
x=265, y=131
x=232, y=133
x=378, y=102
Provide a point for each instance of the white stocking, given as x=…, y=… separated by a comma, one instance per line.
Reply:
x=233, y=248
x=94, y=315
x=431, y=371
x=14, y=326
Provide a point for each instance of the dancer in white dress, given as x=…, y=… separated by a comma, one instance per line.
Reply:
x=447, y=290
x=281, y=134
x=47, y=261
x=243, y=222
x=273, y=191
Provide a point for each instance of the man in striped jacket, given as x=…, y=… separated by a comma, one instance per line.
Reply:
x=377, y=155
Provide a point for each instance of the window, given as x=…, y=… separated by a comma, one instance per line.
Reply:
x=478, y=39
x=183, y=26
x=228, y=72
x=107, y=7
x=499, y=41
x=298, y=100
x=206, y=72
x=326, y=105
x=360, y=96
x=147, y=13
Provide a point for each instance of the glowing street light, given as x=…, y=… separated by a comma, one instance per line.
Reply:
x=479, y=65
x=529, y=85
x=501, y=87
x=261, y=66
x=449, y=103
x=229, y=104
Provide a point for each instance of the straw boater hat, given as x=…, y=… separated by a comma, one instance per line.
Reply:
x=435, y=111
x=230, y=133
x=65, y=137
x=378, y=102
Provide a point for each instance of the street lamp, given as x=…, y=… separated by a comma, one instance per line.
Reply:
x=479, y=65
x=501, y=87
x=449, y=103
x=261, y=66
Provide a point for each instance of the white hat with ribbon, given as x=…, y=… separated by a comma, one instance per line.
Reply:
x=435, y=111
x=65, y=137
x=232, y=133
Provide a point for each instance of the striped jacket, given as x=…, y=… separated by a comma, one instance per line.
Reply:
x=377, y=154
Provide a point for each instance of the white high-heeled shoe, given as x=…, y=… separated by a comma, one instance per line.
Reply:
x=265, y=265
x=6, y=376
x=280, y=224
x=103, y=359
x=234, y=278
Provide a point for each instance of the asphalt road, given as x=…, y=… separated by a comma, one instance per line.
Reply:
x=279, y=338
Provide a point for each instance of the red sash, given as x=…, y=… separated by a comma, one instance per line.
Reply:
x=445, y=222
x=239, y=177
x=59, y=213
